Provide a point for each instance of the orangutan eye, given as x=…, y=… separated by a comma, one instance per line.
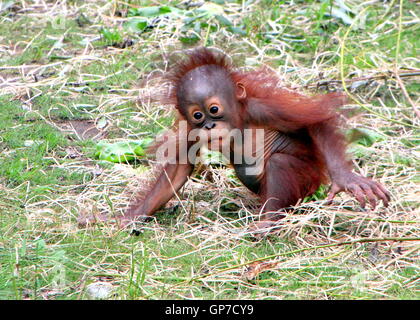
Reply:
x=197, y=115
x=214, y=109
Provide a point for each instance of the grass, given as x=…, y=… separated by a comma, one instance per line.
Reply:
x=72, y=74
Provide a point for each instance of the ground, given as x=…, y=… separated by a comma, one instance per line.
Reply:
x=74, y=73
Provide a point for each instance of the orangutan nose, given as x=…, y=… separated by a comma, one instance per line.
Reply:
x=210, y=125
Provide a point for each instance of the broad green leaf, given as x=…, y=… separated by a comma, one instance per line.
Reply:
x=136, y=24
x=223, y=20
x=122, y=151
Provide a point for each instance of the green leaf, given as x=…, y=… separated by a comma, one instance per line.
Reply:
x=341, y=14
x=189, y=39
x=136, y=24
x=223, y=20
x=365, y=137
x=111, y=36
x=197, y=27
x=56, y=57
x=213, y=157
x=122, y=151
x=150, y=11
x=40, y=245
x=360, y=151
x=237, y=30
x=211, y=9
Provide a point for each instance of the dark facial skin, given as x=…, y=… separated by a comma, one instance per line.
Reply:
x=207, y=97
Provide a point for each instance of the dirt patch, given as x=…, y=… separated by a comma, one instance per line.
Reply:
x=82, y=129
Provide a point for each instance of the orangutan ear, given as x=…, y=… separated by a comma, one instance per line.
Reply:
x=240, y=91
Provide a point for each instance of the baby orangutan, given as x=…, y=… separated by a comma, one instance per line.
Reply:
x=282, y=145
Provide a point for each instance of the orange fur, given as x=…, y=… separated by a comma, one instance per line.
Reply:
x=310, y=149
